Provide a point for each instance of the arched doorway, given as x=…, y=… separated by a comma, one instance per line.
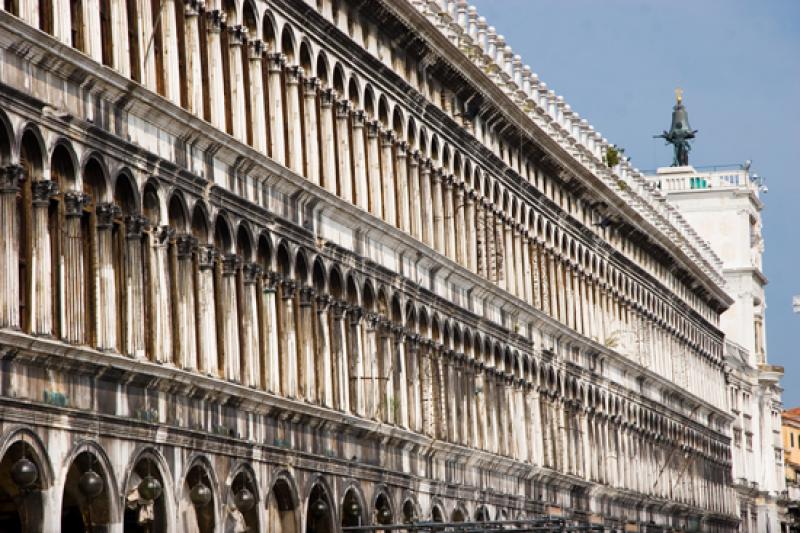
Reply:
x=352, y=510
x=86, y=503
x=21, y=485
x=145, y=500
x=482, y=514
x=282, y=508
x=409, y=512
x=383, y=510
x=243, y=503
x=197, y=502
x=458, y=515
x=319, y=513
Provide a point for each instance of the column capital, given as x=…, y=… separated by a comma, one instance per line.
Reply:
x=134, y=226
x=163, y=234
x=471, y=195
x=206, y=256
x=342, y=108
x=327, y=97
x=42, y=191
x=237, y=35
x=357, y=117
x=373, y=128
x=387, y=138
x=11, y=177
x=355, y=313
x=288, y=289
x=230, y=263
x=255, y=49
x=399, y=333
x=306, y=296
x=74, y=202
x=251, y=273
x=323, y=303
x=437, y=175
x=270, y=280
x=402, y=148
x=191, y=8
x=185, y=244
x=414, y=158
x=293, y=74
x=106, y=212
x=338, y=309
x=460, y=188
x=214, y=20
x=275, y=62
x=311, y=86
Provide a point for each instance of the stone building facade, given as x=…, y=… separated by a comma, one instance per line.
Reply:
x=296, y=265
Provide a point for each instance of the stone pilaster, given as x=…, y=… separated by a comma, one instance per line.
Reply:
x=10, y=178
x=43, y=267
x=207, y=311
x=250, y=336
x=74, y=320
x=106, y=309
x=312, y=159
x=294, y=122
x=277, y=144
x=345, y=171
x=184, y=305
x=328, y=139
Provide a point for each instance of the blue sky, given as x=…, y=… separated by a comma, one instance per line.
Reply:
x=617, y=63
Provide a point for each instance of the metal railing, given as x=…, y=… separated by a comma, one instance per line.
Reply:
x=518, y=526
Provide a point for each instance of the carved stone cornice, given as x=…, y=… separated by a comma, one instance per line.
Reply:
x=42, y=191
x=185, y=244
x=105, y=213
x=74, y=201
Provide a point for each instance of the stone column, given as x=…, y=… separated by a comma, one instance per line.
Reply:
x=135, y=345
x=185, y=319
x=229, y=318
x=270, y=366
x=310, y=90
x=416, y=205
x=426, y=388
x=106, y=279
x=383, y=382
x=459, y=224
x=250, y=332
x=288, y=340
x=387, y=172
x=341, y=380
x=324, y=364
x=169, y=51
x=569, y=294
x=194, y=73
x=401, y=381
x=92, y=34
x=294, y=121
x=359, y=160
x=215, y=86
x=345, y=172
x=206, y=311
x=552, y=286
x=62, y=24
x=401, y=177
x=426, y=218
x=160, y=305
x=470, y=231
x=328, y=140
x=497, y=248
x=305, y=357
x=277, y=146
x=527, y=270
x=258, y=116
x=481, y=237
x=119, y=25
x=414, y=383
x=374, y=168
x=509, y=256
x=438, y=212
x=353, y=373
x=519, y=262
x=449, y=219
x=481, y=391
x=41, y=308
x=10, y=244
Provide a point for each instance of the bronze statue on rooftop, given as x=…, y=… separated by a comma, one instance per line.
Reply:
x=680, y=133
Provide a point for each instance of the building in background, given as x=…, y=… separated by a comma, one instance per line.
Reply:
x=295, y=265
x=791, y=446
x=723, y=205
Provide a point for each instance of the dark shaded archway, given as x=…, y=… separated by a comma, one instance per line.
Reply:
x=86, y=503
x=282, y=508
x=21, y=484
x=319, y=511
x=145, y=500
